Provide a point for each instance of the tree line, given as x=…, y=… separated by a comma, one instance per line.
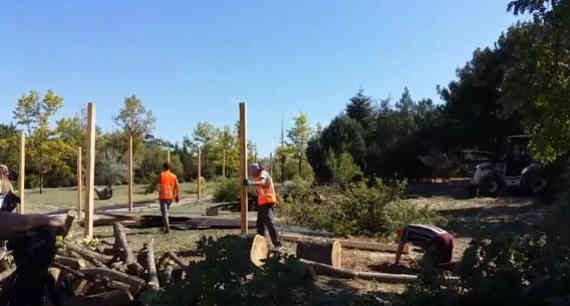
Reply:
x=519, y=85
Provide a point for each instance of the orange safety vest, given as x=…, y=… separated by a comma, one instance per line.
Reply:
x=168, y=186
x=266, y=193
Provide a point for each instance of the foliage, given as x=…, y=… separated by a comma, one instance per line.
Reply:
x=342, y=168
x=227, y=190
x=134, y=120
x=299, y=136
x=537, y=84
x=226, y=276
x=374, y=209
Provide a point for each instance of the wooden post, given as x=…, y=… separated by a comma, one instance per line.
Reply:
x=130, y=175
x=243, y=165
x=79, y=183
x=224, y=165
x=271, y=163
x=89, y=201
x=22, y=175
x=168, y=156
x=199, y=184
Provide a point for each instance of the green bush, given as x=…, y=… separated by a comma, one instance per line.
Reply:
x=342, y=168
x=227, y=190
x=359, y=209
x=226, y=276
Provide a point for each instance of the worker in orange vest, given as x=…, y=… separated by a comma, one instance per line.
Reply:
x=266, y=201
x=168, y=191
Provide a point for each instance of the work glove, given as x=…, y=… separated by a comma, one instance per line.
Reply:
x=245, y=182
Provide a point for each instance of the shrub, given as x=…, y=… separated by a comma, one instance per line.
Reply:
x=227, y=190
x=226, y=276
x=342, y=168
x=359, y=209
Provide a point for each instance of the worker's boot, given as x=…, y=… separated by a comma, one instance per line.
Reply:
x=165, y=224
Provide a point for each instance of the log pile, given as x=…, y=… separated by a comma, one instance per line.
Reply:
x=109, y=276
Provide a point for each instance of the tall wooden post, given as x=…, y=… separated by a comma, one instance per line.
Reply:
x=243, y=165
x=199, y=186
x=79, y=183
x=271, y=163
x=130, y=175
x=168, y=156
x=89, y=194
x=22, y=174
x=224, y=165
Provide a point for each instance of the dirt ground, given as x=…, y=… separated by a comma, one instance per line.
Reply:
x=468, y=217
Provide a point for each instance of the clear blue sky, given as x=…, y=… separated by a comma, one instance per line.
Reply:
x=195, y=60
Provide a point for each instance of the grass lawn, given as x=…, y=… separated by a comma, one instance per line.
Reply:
x=64, y=198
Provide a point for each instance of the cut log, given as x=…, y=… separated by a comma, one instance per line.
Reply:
x=177, y=260
x=166, y=276
x=178, y=275
x=68, y=223
x=71, y=271
x=7, y=273
x=79, y=286
x=71, y=262
x=151, y=266
x=259, y=250
x=90, y=255
x=122, y=247
x=349, y=243
x=55, y=273
x=329, y=253
x=119, y=297
x=135, y=283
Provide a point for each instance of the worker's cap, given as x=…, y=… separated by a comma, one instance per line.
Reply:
x=253, y=168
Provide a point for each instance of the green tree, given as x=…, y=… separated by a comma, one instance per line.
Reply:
x=360, y=109
x=35, y=113
x=537, y=84
x=134, y=120
x=299, y=136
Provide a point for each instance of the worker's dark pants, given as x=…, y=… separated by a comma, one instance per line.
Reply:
x=265, y=220
x=164, y=206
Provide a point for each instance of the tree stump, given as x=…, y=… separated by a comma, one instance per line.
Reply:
x=329, y=253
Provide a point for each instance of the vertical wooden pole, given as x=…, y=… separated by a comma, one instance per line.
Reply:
x=130, y=175
x=168, y=156
x=79, y=183
x=22, y=175
x=224, y=165
x=271, y=163
x=89, y=201
x=243, y=165
x=199, y=186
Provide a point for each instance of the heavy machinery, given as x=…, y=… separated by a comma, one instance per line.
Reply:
x=514, y=169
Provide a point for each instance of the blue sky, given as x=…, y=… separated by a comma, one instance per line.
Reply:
x=191, y=61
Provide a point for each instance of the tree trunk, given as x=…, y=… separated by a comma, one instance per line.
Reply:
x=329, y=253
x=259, y=250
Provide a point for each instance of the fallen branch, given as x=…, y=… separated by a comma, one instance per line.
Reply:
x=376, y=276
x=90, y=255
x=119, y=297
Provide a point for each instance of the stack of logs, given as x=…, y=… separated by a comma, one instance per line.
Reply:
x=113, y=275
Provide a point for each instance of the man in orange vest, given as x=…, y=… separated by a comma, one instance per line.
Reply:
x=167, y=192
x=266, y=201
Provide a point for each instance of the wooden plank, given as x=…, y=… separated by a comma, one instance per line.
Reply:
x=79, y=183
x=22, y=175
x=243, y=165
x=130, y=175
x=90, y=201
x=199, y=184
